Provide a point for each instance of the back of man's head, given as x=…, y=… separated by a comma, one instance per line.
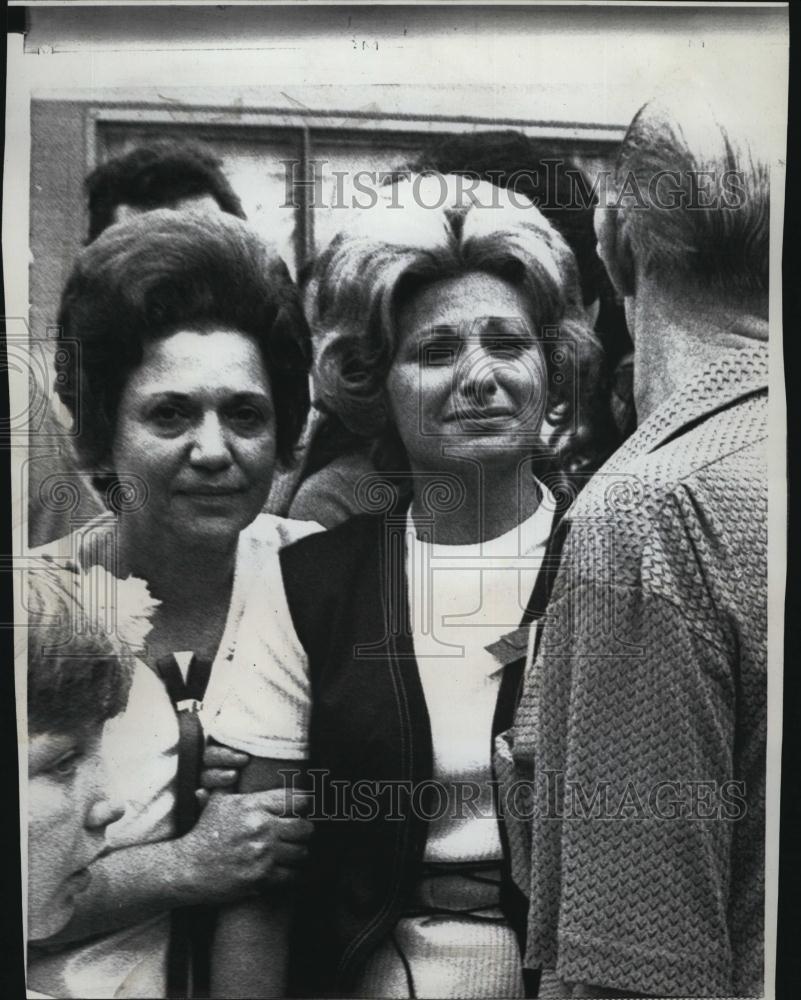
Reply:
x=692, y=184
x=162, y=174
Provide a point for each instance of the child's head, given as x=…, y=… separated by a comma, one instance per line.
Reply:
x=77, y=679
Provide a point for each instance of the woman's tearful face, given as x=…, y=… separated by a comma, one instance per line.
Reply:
x=69, y=808
x=469, y=376
x=196, y=422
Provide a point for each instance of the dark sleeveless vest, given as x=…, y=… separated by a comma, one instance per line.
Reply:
x=370, y=745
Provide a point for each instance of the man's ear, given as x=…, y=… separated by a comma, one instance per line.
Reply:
x=614, y=249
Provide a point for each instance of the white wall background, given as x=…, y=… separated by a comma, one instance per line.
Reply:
x=584, y=63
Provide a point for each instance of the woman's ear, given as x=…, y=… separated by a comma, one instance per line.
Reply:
x=614, y=249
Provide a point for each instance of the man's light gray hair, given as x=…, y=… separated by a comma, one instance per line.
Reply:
x=694, y=189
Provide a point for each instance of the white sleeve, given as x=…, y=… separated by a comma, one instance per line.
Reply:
x=265, y=708
x=140, y=752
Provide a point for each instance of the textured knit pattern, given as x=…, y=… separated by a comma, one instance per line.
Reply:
x=642, y=724
x=452, y=958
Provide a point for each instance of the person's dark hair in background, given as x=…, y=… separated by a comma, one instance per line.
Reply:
x=164, y=173
x=511, y=160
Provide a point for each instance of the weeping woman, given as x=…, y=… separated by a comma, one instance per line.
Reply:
x=454, y=338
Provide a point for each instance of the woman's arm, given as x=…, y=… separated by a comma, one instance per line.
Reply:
x=238, y=842
x=250, y=952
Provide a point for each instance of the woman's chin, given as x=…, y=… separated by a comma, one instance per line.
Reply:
x=212, y=532
x=45, y=924
x=490, y=450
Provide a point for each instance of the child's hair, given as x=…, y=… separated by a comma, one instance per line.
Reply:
x=79, y=674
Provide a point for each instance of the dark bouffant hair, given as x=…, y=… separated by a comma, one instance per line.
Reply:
x=164, y=271
x=157, y=176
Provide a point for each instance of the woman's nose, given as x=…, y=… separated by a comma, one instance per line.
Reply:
x=477, y=375
x=210, y=448
x=104, y=812
x=105, y=805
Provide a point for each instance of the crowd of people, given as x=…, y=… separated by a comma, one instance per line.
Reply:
x=479, y=710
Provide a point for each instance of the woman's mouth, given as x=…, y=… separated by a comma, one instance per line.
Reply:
x=210, y=491
x=79, y=881
x=494, y=413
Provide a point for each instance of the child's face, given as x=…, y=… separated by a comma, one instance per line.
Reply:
x=68, y=811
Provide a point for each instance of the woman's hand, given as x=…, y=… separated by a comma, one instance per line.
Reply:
x=242, y=842
x=222, y=767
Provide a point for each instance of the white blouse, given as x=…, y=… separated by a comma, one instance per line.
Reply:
x=140, y=751
x=462, y=598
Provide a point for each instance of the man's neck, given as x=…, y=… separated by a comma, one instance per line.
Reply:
x=678, y=331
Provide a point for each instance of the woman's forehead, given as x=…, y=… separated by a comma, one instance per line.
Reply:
x=461, y=300
x=194, y=360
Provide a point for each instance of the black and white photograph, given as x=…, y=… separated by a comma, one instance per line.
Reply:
x=398, y=475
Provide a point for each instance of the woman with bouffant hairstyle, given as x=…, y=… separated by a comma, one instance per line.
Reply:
x=448, y=335
x=159, y=273
x=184, y=360
x=368, y=271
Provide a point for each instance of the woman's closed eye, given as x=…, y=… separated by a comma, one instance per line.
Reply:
x=511, y=346
x=63, y=768
x=505, y=337
x=440, y=348
x=439, y=355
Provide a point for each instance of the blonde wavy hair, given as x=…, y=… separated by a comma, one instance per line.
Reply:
x=387, y=253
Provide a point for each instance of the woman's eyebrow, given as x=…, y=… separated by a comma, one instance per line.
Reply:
x=450, y=331
x=507, y=326
x=443, y=331
x=167, y=394
x=255, y=394
x=505, y=321
x=174, y=395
